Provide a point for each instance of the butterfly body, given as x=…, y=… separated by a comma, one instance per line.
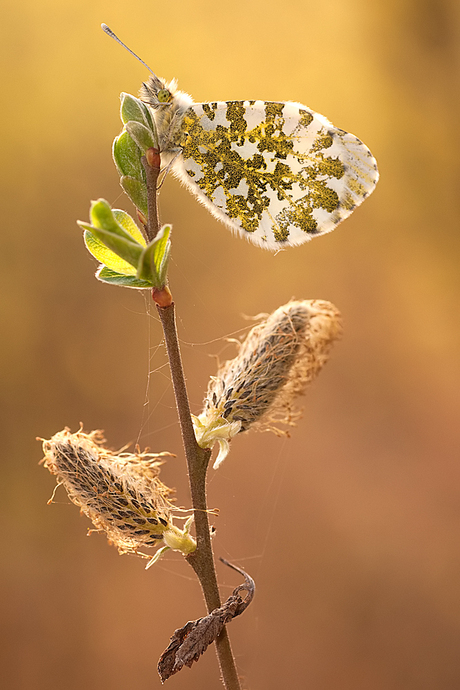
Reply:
x=276, y=173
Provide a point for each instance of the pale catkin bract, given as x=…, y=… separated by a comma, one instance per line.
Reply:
x=120, y=493
x=275, y=362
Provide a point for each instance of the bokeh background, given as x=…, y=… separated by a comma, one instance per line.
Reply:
x=351, y=528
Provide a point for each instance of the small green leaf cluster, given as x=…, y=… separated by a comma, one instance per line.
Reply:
x=139, y=134
x=115, y=240
x=112, y=236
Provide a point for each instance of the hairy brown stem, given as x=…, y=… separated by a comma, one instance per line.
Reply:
x=202, y=560
x=151, y=162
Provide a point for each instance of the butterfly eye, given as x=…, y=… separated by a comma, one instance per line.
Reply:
x=164, y=96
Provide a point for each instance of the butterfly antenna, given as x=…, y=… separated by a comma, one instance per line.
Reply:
x=110, y=33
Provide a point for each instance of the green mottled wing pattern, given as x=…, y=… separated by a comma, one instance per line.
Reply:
x=277, y=173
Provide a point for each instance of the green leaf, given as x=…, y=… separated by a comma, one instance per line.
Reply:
x=129, y=224
x=127, y=249
x=142, y=135
x=127, y=157
x=106, y=256
x=162, y=252
x=101, y=216
x=146, y=269
x=131, y=109
x=163, y=269
x=106, y=275
x=153, y=262
x=137, y=192
x=150, y=121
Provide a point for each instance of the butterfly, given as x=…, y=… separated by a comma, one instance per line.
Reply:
x=277, y=173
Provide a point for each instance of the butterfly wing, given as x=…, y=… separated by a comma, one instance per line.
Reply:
x=277, y=173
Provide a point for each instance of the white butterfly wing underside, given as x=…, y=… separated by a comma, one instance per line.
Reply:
x=276, y=173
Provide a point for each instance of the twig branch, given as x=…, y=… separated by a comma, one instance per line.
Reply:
x=202, y=560
x=152, y=164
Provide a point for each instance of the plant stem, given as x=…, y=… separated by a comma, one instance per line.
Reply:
x=201, y=560
x=151, y=162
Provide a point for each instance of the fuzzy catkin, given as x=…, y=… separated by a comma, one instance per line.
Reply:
x=276, y=361
x=120, y=493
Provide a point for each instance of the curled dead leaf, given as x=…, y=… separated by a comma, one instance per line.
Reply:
x=191, y=641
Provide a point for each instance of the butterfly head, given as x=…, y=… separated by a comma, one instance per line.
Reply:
x=156, y=92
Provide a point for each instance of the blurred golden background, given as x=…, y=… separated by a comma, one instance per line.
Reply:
x=351, y=528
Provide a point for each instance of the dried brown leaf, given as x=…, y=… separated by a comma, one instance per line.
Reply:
x=189, y=642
